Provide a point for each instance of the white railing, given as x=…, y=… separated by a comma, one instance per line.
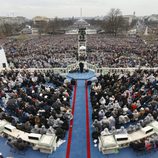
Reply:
x=72, y=67
x=91, y=67
x=103, y=70
x=61, y=71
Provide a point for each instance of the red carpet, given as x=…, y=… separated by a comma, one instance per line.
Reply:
x=87, y=124
x=71, y=124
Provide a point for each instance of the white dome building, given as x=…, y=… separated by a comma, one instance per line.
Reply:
x=82, y=48
x=81, y=23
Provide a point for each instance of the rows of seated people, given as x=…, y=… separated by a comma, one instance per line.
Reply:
x=37, y=102
x=146, y=144
x=61, y=50
x=124, y=103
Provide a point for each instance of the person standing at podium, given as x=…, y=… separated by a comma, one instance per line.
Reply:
x=81, y=65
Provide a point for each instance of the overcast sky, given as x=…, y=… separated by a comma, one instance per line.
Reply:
x=69, y=8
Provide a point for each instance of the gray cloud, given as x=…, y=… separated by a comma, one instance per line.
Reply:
x=65, y=8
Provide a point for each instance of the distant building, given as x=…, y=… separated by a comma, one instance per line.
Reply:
x=99, y=18
x=153, y=18
x=26, y=31
x=81, y=23
x=132, y=32
x=35, y=31
x=40, y=19
x=13, y=20
x=130, y=18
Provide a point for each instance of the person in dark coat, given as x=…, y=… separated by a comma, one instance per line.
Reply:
x=81, y=65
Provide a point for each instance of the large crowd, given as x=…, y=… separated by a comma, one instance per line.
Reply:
x=36, y=102
x=124, y=103
x=61, y=50
x=39, y=102
x=41, y=52
x=121, y=52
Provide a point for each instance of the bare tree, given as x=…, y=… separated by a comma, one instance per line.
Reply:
x=7, y=29
x=114, y=21
x=57, y=24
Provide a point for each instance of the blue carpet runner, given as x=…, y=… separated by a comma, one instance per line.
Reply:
x=78, y=144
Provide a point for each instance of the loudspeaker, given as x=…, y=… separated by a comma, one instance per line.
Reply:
x=73, y=82
x=9, y=127
x=147, y=129
x=4, y=65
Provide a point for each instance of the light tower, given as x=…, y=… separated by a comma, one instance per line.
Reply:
x=82, y=54
x=146, y=31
